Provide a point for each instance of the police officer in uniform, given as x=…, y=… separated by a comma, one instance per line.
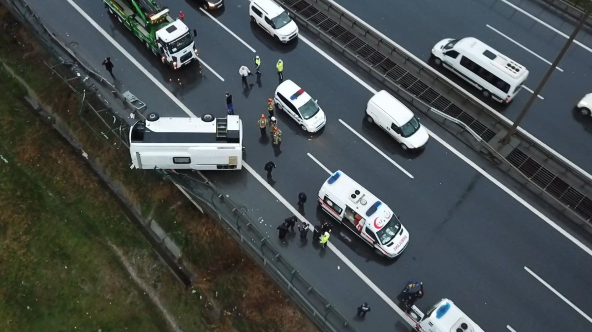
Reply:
x=257, y=64
x=280, y=69
x=262, y=124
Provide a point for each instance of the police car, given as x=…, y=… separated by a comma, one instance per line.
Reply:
x=366, y=216
x=300, y=106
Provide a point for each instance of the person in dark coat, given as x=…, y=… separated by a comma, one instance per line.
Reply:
x=301, y=199
x=326, y=227
x=303, y=229
x=268, y=168
x=363, y=309
x=291, y=222
x=316, y=233
x=109, y=66
x=283, y=230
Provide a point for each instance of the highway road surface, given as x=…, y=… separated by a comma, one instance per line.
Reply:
x=476, y=237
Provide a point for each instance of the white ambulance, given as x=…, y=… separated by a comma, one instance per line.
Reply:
x=444, y=316
x=360, y=211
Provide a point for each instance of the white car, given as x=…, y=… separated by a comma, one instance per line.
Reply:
x=273, y=19
x=585, y=105
x=300, y=106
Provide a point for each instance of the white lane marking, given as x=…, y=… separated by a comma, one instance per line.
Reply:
x=128, y=56
x=334, y=249
x=510, y=328
x=522, y=46
x=210, y=69
x=467, y=160
x=376, y=149
x=558, y=294
x=319, y=163
x=531, y=91
x=333, y=61
x=545, y=24
x=456, y=86
x=227, y=30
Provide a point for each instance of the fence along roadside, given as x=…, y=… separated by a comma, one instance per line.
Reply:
x=546, y=173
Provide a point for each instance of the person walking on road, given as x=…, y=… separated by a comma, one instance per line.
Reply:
x=270, y=107
x=276, y=135
x=301, y=199
x=280, y=69
x=303, y=229
x=283, y=230
x=109, y=66
x=244, y=73
x=316, y=233
x=268, y=168
x=262, y=125
x=291, y=222
x=229, y=105
x=363, y=309
x=257, y=64
x=324, y=239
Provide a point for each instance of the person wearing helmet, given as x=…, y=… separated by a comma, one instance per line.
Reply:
x=257, y=64
x=270, y=107
x=277, y=135
x=280, y=68
x=262, y=124
x=272, y=121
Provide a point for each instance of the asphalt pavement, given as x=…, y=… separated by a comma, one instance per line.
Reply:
x=469, y=240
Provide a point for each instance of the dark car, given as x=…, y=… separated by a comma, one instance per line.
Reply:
x=210, y=4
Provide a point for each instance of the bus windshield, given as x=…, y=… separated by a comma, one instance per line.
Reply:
x=388, y=232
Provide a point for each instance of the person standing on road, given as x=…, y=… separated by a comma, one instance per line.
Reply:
x=303, y=229
x=291, y=222
x=229, y=105
x=283, y=230
x=363, y=309
x=276, y=135
x=280, y=69
x=316, y=233
x=324, y=239
x=301, y=199
x=268, y=168
x=257, y=64
x=272, y=122
x=262, y=125
x=270, y=107
x=109, y=66
x=244, y=73
x=326, y=227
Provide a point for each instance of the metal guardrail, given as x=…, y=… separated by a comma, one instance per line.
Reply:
x=81, y=78
x=555, y=179
x=573, y=8
x=221, y=208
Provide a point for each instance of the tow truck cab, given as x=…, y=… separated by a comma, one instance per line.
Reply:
x=444, y=316
x=176, y=45
x=366, y=216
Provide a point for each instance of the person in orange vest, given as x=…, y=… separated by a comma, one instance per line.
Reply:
x=262, y=124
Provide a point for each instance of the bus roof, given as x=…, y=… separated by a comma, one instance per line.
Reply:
x=482, y=53
x=187, y=130
x=360, y=200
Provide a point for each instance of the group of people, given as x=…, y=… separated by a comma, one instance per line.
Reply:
x=245, y=72
x=320, y=233
x=276, y=133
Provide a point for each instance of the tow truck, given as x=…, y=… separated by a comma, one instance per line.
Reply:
x=150, y=22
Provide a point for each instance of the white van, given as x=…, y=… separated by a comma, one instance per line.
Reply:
x=367, y=217
x=397, y=120
x=444, y=316
x=273, y=19
x=487, y=69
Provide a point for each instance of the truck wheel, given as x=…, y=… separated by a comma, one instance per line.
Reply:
x=110, y=10
x=153, y=116
x=205, y=5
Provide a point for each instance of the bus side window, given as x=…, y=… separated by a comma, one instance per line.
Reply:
x=452, y=54
x=332, y=205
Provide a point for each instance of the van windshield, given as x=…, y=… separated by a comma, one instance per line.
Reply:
x=388, y=232
x=309, y=109
x=281, y=20
x=410, y=127
x=450, y=44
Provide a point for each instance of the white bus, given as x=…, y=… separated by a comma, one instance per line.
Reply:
x=366, y=216
x=444, y=316
x=205, y=143
x=487, y=69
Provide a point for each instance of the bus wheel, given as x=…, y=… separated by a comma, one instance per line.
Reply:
x=437, y=61
x=486, y=94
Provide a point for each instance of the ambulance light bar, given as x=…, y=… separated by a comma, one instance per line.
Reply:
x=373, y=208
x=334, y=177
